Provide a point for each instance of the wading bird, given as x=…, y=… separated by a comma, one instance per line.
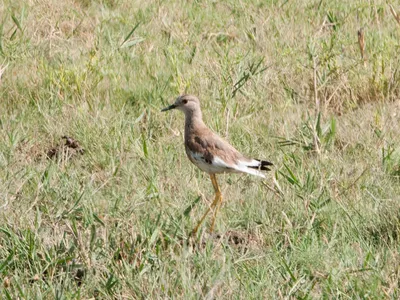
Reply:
x=211, y=153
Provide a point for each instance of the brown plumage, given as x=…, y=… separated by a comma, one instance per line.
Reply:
x=210, y=152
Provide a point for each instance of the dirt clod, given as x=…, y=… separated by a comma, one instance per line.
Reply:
x=70, y=148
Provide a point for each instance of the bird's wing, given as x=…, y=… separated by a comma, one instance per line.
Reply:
x=214, y=146
x=219, y=152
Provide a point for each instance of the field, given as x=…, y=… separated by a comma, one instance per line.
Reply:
x=97, y=196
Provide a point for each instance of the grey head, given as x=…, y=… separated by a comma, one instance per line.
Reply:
x=185, y=103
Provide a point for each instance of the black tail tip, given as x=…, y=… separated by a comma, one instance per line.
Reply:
x=266, y=163
x=263, y=165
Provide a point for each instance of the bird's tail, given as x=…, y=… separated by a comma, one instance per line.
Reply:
x=254, y=167
x=262, y=165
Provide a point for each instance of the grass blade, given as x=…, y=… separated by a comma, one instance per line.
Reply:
x=6, y=261
x=130, y=33
x=16, y=22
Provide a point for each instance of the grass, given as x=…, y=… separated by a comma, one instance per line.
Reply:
x=282, y=80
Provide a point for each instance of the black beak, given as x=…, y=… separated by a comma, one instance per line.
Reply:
x=172, y=106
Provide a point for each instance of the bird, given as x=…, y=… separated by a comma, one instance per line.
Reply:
x=211, y=153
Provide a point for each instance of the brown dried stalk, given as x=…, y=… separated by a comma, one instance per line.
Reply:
x=394, y=13
x=361, y=43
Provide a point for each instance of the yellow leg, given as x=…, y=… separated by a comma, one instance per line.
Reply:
x=215, y=212
x=218, y=198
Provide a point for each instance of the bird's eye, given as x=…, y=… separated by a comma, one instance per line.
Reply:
x=184, y=101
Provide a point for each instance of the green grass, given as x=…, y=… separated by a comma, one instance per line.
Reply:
x=282, y=80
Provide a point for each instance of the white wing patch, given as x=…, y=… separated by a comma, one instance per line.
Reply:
x=197, y=156
x=243, y=166
x=218, y=162
x=218, y=165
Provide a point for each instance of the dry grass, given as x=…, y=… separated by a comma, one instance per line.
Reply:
x=283, y=81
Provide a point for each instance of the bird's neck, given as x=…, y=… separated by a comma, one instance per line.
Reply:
x=193, y=121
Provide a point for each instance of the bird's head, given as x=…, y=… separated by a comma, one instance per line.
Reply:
x=185, y=103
